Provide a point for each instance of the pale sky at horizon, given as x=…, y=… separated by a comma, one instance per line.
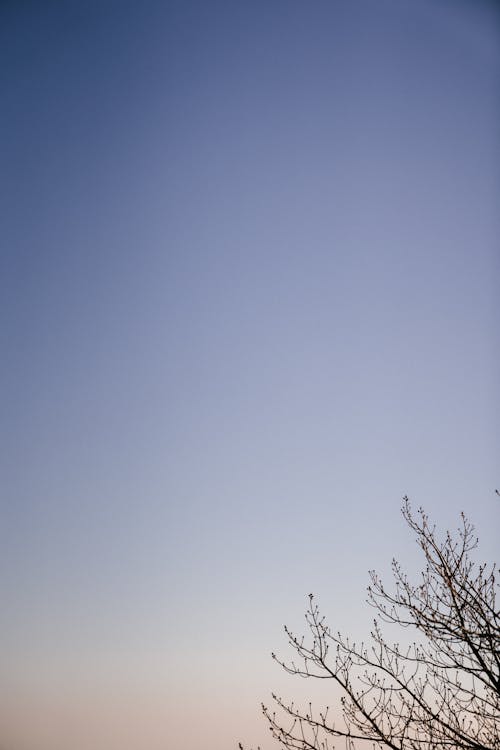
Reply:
x=250, y=299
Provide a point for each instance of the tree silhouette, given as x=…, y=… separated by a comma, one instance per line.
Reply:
x=441, y=692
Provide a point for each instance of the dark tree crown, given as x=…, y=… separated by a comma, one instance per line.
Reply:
x=442, y=692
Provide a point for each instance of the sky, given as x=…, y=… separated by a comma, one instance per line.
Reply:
x=249, y=299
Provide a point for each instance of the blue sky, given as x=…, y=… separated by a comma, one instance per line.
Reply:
x=249, y=299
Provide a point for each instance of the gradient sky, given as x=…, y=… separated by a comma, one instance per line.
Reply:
x=249, y=299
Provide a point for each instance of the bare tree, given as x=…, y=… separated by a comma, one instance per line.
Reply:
x=441, y=692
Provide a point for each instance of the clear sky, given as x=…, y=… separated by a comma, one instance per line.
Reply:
x=249, y=298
